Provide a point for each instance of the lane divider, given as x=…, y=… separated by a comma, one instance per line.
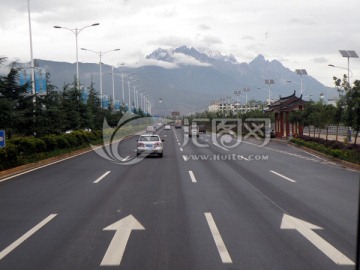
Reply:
x=283, y=176
x=27, y=235
x=224, y=254
x=192, y=176
x=101, y=177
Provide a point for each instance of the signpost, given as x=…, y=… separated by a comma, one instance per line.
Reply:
x=2, y=138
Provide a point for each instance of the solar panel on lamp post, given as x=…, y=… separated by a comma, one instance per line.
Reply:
x=348, y=54
x=301, y=72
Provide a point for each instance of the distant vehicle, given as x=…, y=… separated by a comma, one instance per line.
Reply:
x=178, y=123
x=202, y=128
x=167, y=127
x=150, y=144
x=150, y=129
x=194, y=131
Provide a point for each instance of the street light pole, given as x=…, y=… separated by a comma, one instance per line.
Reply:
x=32, y=68
x=100, y=54
x=269, y=82
x=301, y=72
x=76, y=32
x=246, y=89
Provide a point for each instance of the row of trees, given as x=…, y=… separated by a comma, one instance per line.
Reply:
x=53, y=113
x=320, y=115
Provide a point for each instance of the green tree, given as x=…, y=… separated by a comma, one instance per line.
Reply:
x=13, y=100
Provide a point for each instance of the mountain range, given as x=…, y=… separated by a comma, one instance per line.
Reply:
x=186, y=79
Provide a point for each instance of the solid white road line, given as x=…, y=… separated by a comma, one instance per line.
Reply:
x=283, y=176
x=192, y=176
x=224, y=254
x=18, y=242
x=101, y=177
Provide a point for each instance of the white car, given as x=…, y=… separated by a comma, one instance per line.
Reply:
x=193, y=131
x=167, y=127
x=150, y=144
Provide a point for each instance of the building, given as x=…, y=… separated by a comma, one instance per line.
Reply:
x=281, y=109
x=234, y=108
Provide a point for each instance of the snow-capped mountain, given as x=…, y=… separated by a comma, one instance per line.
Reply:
x=186, y=78
x=183, y=55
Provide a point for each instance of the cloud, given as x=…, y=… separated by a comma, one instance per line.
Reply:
x=247, y=38
x=320, y=60
x=155, y=63
x=182, y=59
x=204, y=27
x=211, y=40
x=305, y=21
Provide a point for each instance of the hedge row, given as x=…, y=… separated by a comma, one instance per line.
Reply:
x=22, y=150
x=334, y=149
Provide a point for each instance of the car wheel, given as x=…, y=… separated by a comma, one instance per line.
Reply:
x=161, y=155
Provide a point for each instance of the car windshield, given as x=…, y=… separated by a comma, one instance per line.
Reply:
x=149, y=138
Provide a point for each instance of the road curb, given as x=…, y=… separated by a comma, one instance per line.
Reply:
x=343, y=163
x=40, y=163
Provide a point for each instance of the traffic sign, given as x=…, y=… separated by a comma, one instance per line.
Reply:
x=2, y=138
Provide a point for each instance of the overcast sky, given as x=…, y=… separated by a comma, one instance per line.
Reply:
x=304, y=34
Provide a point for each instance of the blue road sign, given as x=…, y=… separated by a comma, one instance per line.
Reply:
x=2, y=138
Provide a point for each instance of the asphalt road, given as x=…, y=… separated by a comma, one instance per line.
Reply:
x=209, y=207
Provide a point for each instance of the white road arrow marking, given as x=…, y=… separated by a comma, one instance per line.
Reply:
x=305, y=228
x=123, y=228
x=18, y=242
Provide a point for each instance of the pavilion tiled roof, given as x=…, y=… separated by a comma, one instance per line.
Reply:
x=286, y=103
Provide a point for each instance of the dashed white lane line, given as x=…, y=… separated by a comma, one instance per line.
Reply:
x=224, y=254
x=181, y=149
x=283, y=176
x=192, y=176
x=185, y=158
x=23, y=238
x=101, y=177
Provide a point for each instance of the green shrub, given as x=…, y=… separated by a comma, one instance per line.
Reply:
x=8, y=156
x=50, y=141
x=62, y=142
x=40, y=145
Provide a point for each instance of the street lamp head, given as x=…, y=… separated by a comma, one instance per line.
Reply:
x=117, y=50
x=331, y=65
x=56, y=26
x=83, y=49
x=95, y=24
